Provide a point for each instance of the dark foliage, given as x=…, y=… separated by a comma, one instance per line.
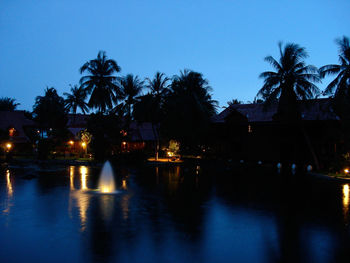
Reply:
x=105, y=131
x=8, y=104
x=292, y=80
x=51, y=115
x=130, y=88
x=188, y=109
x=76, y=99
x=101, y=82
x=339, y=88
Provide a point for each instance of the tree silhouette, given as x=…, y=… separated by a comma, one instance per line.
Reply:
x=188, y=109
x=340, y=86
x=149, y=107
x=130, y=88
x=76, y=99
x=292, y=80
x=49, y=110
x=100, y=83
x=8, y=104
x=50, y=113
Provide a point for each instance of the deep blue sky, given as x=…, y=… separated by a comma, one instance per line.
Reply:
x=44, y=43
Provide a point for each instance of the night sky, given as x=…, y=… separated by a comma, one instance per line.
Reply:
x=44, y=43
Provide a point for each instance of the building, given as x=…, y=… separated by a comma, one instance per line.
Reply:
x=250, y=132
x=16, y=128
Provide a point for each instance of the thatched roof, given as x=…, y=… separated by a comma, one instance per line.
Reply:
x=317, y=109
x=17, y=120
x=143, y=131
x=77, y=120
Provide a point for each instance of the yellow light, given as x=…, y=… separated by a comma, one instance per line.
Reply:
x=83, y=172
x=346, y=200
x=71, y=177
x=83, y=144
x=346, y=170
x=9, y=184
x=124, y=184
x=8, y=146
x=124, y=143
x=106, y=189
x=71, y=142
x=170, y=154
x=346, y=192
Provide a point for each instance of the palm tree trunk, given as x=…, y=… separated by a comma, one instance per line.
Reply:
x=157, y=142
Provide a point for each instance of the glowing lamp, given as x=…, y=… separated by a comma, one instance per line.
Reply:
x=83, y=144
x=8, y=146
x=71, y=142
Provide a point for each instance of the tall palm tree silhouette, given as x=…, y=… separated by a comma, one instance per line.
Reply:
x=292, y=80
x=340, y=86
x=76, y=99
x=130, y=88
x=101, y=81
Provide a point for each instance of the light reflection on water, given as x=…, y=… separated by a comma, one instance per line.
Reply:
x=346, y=201
x=83, y=174
x=9, y=184
x=71, y=177
x=78, y=197
x=9, y=189
x=172, y=215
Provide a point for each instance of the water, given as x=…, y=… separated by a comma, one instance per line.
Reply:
x=171, y=214
x=106, y=182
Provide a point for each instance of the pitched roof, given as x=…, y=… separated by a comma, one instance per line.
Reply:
x=142, y=131
x=77, y=120
x=317, y=109
x=17, y=120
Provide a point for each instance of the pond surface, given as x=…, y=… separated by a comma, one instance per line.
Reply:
x=171, y=214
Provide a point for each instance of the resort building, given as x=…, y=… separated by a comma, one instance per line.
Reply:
x=251, y=132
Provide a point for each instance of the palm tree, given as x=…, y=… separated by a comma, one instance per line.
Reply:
x=233, y=102
x=76, y=99
x=193, y=85
x=292, y=80
x=100, y=82
x=130, y=89
x=49, y=111
x=8, y=104
x=149, y=107
x=188, y=108
x=158, y=85
x=340, y=86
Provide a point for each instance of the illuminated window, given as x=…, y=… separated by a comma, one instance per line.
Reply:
x=250, y=130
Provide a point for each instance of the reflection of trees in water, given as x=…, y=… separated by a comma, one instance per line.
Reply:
x=309, y=218
x=184, y=193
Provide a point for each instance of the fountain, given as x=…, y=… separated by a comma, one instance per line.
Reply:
x=106, y=184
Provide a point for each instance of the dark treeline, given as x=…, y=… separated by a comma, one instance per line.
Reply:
x=181, y=107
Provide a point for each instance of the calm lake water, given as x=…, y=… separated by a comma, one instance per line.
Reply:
x=171, y=214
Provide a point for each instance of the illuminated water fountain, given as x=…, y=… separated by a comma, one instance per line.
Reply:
x=106, y=184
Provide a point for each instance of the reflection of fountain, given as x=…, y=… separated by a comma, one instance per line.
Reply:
x=106, y=182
